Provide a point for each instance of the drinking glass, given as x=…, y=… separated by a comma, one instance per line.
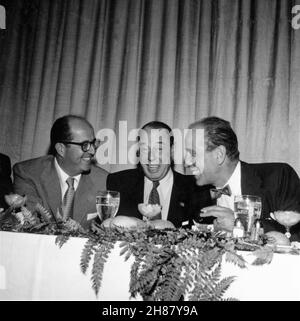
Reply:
x=107, y=204
x=287, y=219
x=248, y=209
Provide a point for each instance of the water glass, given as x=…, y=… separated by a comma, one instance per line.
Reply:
x=247, y=208
x=107, y=204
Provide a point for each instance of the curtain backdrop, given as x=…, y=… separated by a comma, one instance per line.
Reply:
x=139, y=60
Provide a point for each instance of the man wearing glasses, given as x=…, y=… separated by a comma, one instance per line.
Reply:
x=66, y=181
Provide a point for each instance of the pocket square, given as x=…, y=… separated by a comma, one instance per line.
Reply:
x=184, y=223
x=91, y=216
x=182, y=204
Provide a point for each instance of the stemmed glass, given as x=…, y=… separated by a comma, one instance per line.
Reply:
x=107, y=204
x=287, y=219
x=150, y=211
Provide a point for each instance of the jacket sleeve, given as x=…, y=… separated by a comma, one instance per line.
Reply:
x=288, y=192
x=24, y=185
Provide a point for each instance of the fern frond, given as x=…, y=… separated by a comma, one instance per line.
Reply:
x=100, y=258
x=61, y=239
x=29, y=217
x=45, y=214
x=87, y=252
x=235, y=258
x=222, y=287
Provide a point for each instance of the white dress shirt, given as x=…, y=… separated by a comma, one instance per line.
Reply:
x=164, y=191
x=63, y=176
x=234, y=183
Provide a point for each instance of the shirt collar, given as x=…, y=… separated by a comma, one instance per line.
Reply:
x=234, y=180
x=164, y=181
x=62, y=175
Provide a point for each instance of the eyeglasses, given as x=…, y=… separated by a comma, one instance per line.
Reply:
x=86, y=145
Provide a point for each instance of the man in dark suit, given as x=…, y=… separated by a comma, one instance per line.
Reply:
x=154, y=172
x=217, y=165
x=5, y=179
x=67, y=180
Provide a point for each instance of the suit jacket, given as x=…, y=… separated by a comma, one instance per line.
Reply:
x=276, y=183
x=5, y=179
x=130, y=184
x=38, y=179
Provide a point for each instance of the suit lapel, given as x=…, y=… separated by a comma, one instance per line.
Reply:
x=251, y=184
x=250, y=181
x=173, y=200
x=137, y=193
x=178, y=203
x=51, y=186
x=84, y=195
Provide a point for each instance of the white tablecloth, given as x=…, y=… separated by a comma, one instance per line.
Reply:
x=33, y=267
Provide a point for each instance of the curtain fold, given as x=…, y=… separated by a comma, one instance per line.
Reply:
x=139, y=60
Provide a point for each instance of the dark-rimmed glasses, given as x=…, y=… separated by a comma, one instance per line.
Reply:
x=86, y=145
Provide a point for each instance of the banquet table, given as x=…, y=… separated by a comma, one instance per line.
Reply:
x=33, y=267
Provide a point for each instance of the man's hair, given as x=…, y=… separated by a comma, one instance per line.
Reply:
x=219, y=132
x=61, y=131
x=158, y=125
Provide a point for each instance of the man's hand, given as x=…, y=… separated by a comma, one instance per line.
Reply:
x=224, y=217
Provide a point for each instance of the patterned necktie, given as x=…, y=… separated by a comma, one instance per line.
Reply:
x=217, y=192
x=67, y=205
x=154, y=198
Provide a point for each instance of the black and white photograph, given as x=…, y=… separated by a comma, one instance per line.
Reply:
x=149, y=152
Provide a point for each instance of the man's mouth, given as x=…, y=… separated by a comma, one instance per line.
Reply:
x=195, y=171
x=153, y=168
x=87, y=159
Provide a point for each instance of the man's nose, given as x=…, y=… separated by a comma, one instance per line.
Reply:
x=152, y=156
x=188, y=159
x=92, y=150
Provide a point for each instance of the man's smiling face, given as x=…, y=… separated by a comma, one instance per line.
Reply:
x=74, y=160
x=155, y=152
x=202, y=163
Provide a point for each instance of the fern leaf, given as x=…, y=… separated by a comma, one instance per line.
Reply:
x=216, y=274
x=235, y=259
x=61, y=240
x=124, y=250
x=29, y=217
x=222, y=286
x=100, y=259
x=86, y=254
x=46, y=216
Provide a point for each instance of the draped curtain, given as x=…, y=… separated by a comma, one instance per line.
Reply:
x=141, y=60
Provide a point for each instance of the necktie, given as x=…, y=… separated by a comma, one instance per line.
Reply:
x=67, y=205
x=154, y=198
x=217, y=192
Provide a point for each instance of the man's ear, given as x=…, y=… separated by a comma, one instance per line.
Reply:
x=172, y=153
x=60, y=149
x=220, y=154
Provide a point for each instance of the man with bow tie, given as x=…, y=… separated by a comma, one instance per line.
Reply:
x=221, y=175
